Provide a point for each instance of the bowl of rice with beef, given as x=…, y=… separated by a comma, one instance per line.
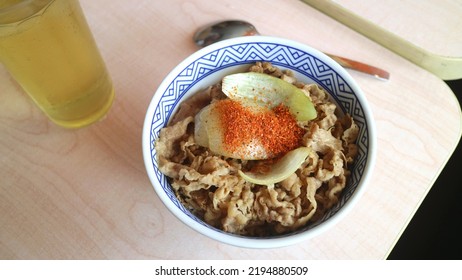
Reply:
x=259, y=142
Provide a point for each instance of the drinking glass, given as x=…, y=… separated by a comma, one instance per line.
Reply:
x=48, y=48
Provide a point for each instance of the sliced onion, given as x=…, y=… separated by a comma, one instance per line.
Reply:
x=201, y=135
x=279, y=170
x=208, y=132
x=269, y=91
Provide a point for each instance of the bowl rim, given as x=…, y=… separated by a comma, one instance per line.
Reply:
x=244, y=241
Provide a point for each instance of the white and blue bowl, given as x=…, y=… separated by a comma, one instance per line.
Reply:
x=206, y=67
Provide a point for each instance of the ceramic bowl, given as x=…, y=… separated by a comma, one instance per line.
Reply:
x=206, y=67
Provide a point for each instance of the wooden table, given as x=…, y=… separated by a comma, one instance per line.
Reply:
x=84, y=194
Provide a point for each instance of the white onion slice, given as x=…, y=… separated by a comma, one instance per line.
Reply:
x=279, y=170
x=269, y=91
x=208, y=132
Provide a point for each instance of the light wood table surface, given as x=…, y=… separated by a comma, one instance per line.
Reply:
x=85, y=194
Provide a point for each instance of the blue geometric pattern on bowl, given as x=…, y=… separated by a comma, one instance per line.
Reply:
x=279, y=55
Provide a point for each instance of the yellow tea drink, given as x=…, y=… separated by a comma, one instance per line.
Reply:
x=48, y=48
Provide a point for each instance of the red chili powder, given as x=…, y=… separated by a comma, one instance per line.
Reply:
x=276, y=129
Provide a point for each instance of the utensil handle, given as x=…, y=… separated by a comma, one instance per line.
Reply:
x=361, y=67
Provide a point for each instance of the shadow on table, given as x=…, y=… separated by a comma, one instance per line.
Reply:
x=434, y=232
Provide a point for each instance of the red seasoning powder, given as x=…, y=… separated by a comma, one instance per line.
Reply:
x=277, y=129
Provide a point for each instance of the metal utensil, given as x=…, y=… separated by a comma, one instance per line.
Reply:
x=215, y=32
